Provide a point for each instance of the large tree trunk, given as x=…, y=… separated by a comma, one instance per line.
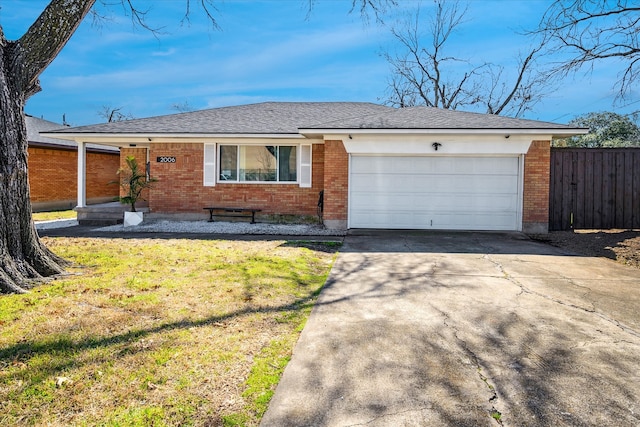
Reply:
x=22, y=257
x=24, y=260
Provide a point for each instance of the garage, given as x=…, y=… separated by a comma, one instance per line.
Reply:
x=435, y=192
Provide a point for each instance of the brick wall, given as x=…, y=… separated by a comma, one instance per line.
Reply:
x=336, y=180
x=535, y=215
x=141, y=156
x=180, y=186
x=53, y=177
x=101, y=169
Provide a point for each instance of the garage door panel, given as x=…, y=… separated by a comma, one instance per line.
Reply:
x=487, y=184
x=412, y=220
x=376, y=165
x=478, y=184
x=409, y=201
x=421, y=183
x=458, y=193
x=483, y=165
x=433, y=165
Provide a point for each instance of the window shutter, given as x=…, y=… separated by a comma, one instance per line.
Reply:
x=209, y=165
x=305, y=165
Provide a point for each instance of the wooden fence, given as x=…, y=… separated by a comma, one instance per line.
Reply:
x=594, y=188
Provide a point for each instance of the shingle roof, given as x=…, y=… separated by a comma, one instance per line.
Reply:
x=434, y=118
x=273, y=118
x=36, y=125
x=264, y=118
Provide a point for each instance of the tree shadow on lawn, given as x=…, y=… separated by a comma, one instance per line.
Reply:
x=27, y=349
x=64, y=348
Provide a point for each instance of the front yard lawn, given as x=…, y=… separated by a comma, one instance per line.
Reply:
x=48, y=216
x=151, y=332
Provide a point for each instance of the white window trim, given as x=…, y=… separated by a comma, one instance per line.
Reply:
x=210, y=170
x=305, y=170
x=306, y=183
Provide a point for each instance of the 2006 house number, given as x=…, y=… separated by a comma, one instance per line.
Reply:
x=166, y=159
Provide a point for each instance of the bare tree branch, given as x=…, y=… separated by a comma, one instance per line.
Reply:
x=377, y=7
x=424, y=74
x=591, y=31
x=183, y=107
x=209, y=9
x=114, y=114
x=525, y=91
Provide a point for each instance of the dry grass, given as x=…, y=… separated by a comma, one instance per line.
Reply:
x=156, y=332
x=48, y=216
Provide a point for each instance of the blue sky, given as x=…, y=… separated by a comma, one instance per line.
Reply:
x=268, y=51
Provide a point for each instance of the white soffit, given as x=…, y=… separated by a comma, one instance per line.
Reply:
x=446, y=144
x=549, y=132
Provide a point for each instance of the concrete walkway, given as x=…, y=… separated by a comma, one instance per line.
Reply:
x=466, y=329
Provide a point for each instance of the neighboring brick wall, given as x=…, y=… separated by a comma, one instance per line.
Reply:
x=180, y=186
x=53, y=177
x=535, y=215
x=52, y=174
x=102, y=169
x=336, y=183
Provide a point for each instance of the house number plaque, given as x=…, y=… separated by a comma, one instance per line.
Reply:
x=166, y=159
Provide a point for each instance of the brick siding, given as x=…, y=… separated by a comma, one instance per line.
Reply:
x=336, y=181
x=53, y=175
x=535, y=215
x=180, y=186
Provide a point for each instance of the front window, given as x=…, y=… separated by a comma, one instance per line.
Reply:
x=258, y=163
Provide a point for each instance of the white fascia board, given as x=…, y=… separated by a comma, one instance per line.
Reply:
x=258, y=141
x=119, y=140
x=331, y=133
x=86, y=135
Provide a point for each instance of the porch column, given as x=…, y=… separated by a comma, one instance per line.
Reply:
x=82, y=175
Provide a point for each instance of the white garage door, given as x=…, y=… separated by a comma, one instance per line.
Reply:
x=446, y=193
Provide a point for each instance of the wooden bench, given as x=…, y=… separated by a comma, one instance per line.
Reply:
x=232, y=212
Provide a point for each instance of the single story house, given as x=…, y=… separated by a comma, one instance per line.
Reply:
x=377, y=166
x=53, y=169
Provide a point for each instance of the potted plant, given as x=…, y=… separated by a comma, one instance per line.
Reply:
x=133, y=181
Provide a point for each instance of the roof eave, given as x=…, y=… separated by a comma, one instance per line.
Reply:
x=150, y=137
x=71, y=147
x=555, y=132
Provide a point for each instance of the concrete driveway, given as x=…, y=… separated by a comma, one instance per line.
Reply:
x=466, y=329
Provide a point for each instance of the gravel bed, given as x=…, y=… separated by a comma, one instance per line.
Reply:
x=221, y=227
